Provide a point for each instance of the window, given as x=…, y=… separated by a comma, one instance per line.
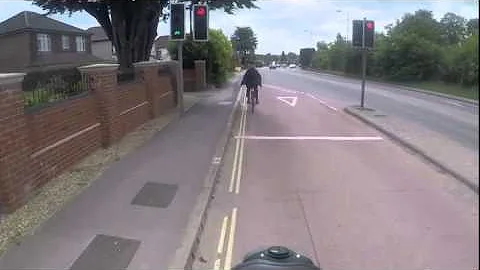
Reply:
x=66, y=43
x=81, y=43
x=44, y=44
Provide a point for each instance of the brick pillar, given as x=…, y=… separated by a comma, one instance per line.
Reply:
x=174, y=68
x=102, y=82
x=15, y=182
x=200, y=75
x=148, y=70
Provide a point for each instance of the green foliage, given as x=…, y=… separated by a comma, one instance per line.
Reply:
x=283, y=57
x=416, y=48
x=48, y=86
x=244, y=42
x=217, y=52
x=119, y=17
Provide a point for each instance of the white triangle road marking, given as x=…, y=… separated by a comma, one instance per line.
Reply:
x=292, y=101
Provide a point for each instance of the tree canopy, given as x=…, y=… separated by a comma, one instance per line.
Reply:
x=415, y=48
x=131, y=25
x=244, y=42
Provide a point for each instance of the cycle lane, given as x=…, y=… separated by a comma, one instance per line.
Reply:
x=320, y=182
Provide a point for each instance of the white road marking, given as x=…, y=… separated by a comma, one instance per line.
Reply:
x=454, y=103
x=322, y=102
x=292, y=101
x=224, y=102
x=216, y=160
x=319, y=138
x=280, y=88
x=231, y=241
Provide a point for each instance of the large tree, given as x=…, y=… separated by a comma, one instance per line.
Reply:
x=131, y=25
x=453, y=28
x=244, y=42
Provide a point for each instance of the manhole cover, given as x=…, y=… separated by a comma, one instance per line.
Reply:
x=106, y=252
x=155, y=195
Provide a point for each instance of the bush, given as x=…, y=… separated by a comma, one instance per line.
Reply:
x=217, y=52
x=49, y=86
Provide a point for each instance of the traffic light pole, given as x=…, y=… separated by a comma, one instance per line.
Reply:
x=364, y=64
x=180, y=76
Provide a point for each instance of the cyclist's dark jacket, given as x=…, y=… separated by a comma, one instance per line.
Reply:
x=252, y=78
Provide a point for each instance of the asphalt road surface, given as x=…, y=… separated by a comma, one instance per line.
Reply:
x=454, y=119
x=302, y=173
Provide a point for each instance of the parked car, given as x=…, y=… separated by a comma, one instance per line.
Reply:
x=292, y=66
x=272, y=66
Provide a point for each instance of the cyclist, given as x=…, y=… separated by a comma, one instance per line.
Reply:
x=252, y=80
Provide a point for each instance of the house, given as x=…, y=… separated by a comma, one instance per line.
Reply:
x=31, y=41
x=102, y=47
x=160, y=47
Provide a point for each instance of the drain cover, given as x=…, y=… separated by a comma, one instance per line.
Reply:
x=155, y=195
x=106, y=252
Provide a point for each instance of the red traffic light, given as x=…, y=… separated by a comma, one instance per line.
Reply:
x=369, y=25
x=201, y=11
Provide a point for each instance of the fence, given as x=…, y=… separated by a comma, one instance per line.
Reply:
x=42, y=87
x=37, y=145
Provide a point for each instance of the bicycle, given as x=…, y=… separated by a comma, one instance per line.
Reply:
x=255, y=95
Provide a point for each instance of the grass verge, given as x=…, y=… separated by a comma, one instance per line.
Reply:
x=433, y=86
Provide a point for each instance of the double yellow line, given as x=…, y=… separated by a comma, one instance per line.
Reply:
x=229, y=239
x=239, y=146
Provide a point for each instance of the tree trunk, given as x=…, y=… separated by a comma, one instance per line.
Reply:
x=131, y=26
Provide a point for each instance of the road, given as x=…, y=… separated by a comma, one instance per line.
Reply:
x=454, y=119
x=302, y=173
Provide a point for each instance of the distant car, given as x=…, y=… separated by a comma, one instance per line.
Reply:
x=284, y=65
x=277, y=65
x=292, y=66
x=272, y=66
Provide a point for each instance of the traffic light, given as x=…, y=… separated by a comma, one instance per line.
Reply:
x=363, y=28
x=357, y=34
x=369, y=34
x=200, y=22
x=177, y=21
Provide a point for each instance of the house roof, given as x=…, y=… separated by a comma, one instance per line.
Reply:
x=161, y=42
x=33, y=20
x=98, y=34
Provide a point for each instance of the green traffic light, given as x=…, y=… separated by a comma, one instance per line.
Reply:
x=177, y=33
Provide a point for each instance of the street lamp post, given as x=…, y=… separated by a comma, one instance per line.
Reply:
x=348, y=22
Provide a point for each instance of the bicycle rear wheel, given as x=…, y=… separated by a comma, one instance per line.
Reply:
x=252, y=102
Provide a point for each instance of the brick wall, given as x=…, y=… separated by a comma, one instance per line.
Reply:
x=40, y=143
x=60, y=135
x=133, y=106
x=195, y=79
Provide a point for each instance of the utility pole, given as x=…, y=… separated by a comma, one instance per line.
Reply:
x=180, y=76
x=177, y=34
x=364, y=63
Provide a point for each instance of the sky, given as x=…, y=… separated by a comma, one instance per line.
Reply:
x=289, y=25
